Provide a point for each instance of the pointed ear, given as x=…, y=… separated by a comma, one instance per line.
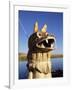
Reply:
x=44, y=28
x=36, y=27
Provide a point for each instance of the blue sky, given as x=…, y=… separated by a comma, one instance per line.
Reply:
x=54, y=21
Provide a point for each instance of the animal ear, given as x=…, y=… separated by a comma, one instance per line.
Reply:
x=36, y=27
x=44, y=28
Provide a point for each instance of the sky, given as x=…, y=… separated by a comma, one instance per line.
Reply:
x=27, y=19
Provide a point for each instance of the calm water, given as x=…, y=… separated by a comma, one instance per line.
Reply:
x=57, y=68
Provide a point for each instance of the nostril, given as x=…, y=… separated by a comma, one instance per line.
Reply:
x=46, y=34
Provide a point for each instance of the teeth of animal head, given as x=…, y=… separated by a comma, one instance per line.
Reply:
x=52, y=45
x=46, y=41
x=42, y=46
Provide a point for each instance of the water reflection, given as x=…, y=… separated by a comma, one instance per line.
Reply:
x=57, y=68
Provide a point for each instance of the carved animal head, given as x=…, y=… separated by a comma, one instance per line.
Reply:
x=41, y=41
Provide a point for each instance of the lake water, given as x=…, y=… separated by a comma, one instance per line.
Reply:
x=57, y=68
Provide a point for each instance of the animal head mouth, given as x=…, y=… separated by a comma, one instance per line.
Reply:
x=47, y=43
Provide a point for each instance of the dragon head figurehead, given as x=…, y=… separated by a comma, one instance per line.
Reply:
x=41, y=41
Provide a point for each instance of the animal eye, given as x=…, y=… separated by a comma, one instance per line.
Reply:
x=39, y=35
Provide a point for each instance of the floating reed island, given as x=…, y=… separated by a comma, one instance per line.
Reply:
x=23, y=56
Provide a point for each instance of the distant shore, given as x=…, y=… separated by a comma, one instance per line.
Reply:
x=23, y=56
